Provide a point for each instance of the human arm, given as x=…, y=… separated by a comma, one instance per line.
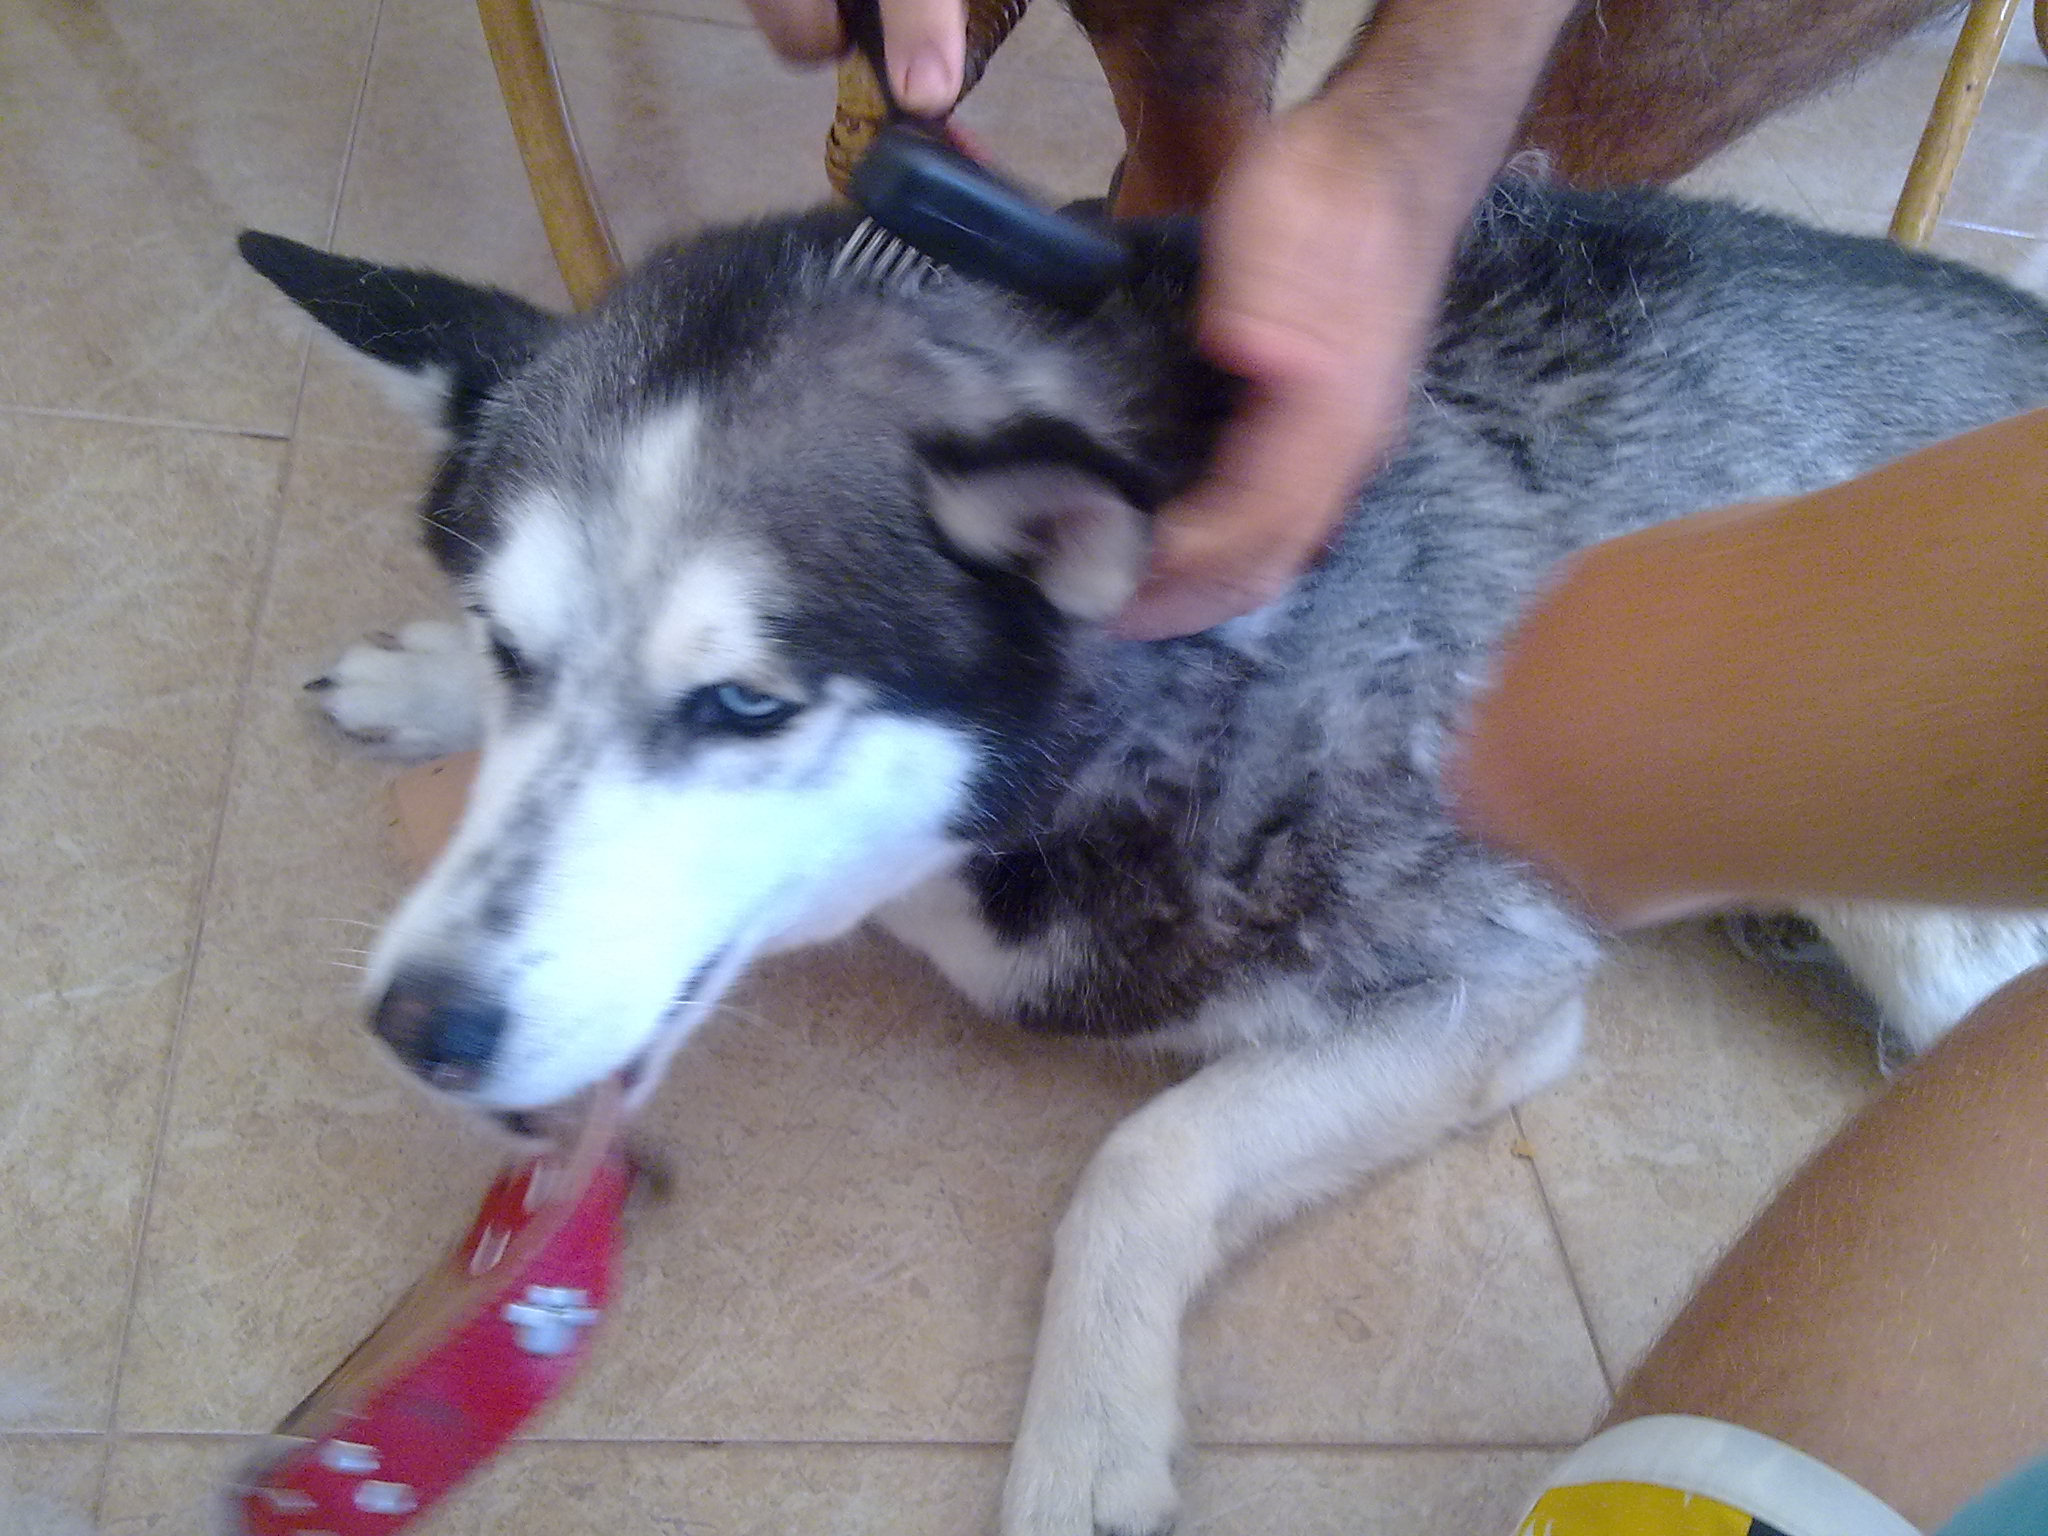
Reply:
x=1841, y=694
x=1888, y=1312
x=1325, y=254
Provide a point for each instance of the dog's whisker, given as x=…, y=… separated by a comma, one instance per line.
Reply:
x=453, y=532
x=1229, y=854
x=744, y=1015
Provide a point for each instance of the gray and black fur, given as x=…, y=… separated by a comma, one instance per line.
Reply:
x=1234, y=843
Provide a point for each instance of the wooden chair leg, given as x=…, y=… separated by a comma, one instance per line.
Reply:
x=575, y=227
x=856, y=119
x=862, y=107
x=1954, y=115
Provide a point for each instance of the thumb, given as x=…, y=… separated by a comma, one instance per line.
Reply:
x=925, y=42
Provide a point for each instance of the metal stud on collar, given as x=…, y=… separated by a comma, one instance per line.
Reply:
x=490, y=1336
x=386, y=1499
x=347, y=1456
x=546, y=1318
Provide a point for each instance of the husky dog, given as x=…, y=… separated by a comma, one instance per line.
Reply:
x=786, y=594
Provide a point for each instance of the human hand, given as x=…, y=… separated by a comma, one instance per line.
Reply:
x=925, y=41
x=1324, y=257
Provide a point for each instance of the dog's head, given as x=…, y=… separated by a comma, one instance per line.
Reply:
x=782, y=579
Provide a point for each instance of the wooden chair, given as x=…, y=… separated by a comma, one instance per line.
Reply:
x=577, y=233
x=576, y=229
x=1956, y=106
x=589, y=260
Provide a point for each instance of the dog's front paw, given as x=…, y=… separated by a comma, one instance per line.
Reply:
x=1085, y=1477
x=415, y=694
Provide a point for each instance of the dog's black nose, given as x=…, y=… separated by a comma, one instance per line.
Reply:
x=441, y=1026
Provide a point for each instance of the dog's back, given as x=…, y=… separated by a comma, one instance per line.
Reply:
x=1605, y=362
x=1658, y=354
x=1256, y=862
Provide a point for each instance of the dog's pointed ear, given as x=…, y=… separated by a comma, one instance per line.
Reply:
x=440, y=345
x=1043, y=498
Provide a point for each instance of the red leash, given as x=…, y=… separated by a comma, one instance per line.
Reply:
x=469, y=1355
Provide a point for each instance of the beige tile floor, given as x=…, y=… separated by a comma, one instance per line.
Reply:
x=210, y=1185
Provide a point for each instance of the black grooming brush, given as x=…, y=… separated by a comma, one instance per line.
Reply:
x=926, y=203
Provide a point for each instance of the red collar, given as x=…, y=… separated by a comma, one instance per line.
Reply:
x=471, y=1352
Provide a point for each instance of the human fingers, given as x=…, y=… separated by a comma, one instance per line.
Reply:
x=925, y=43
x=802, y=31
x=1280, y=481
x=926, y=46
x=1317, y=293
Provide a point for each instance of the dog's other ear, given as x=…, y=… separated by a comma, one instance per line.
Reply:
x=439, y=345
x=1070, y=520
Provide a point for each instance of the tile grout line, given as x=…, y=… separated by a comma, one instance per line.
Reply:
x=656, y=14
x=1798, y=187
x=158, y=423
x=1564, y=1253
x=237, y=724
x=1988, y=229
x=259, y=608
x=683, y=1442
x=348, y=160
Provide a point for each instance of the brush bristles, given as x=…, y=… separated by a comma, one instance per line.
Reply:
x=873, y=255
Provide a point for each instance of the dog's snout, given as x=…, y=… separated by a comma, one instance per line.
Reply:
x=442, y=1027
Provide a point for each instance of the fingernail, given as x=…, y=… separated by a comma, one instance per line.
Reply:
x=927, y=84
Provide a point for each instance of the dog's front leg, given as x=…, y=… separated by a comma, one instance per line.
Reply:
x=1195, y=1175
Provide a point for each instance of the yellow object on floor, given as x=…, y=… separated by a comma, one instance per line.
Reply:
x=1631, y=1509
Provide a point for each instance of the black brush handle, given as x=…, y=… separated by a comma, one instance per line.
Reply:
x=964, y=216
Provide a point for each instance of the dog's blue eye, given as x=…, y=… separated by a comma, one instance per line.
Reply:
x=736, y=707
x=514, y=668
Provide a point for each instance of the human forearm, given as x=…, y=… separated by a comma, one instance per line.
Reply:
x=1324, y=258
x=1844, y=694
x=1443, y=84
x=1886, y=1313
